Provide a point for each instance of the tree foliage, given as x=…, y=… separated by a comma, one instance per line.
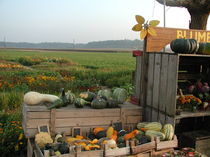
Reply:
x=199, y=11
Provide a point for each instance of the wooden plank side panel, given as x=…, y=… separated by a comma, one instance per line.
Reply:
x=172, y=85
x=149, y=92
x=156, y=86
x=143, y=147
x=138, y=77
x=117, y=152
x=156, y=83
x=163, y=82
x=150, y=76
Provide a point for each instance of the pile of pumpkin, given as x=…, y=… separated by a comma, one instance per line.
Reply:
x=104, y=98
x=99, y=137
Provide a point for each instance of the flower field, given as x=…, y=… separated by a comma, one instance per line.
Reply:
x=48, y=72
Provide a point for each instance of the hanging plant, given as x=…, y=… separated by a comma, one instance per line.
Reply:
x=145, y=28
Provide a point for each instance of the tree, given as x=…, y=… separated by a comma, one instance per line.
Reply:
x=199, y=11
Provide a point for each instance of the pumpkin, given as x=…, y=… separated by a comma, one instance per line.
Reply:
x=105, y=93
x=80, y=103
x=120, y=95
x=101, y=134
x=204, y=48
x=88, y=96
x=184, y=46
x=97, y=129
x=98, y=103
x=168, y=130
x=35, y=98
x=111, y=103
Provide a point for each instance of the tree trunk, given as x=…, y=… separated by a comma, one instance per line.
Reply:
x=198, y=19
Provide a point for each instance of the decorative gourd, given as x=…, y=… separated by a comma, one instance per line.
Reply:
x=109, y=132
x=142, y=125
x=42, y=139
x=184, y=46
x=204, y=48
x=156, y=126
x=152, y=133
x=80, y=103
x=122, y=133
x=120, y=94
x=35, y=98
x=98, y=103
x=101, y=134
x=131, y=135
x=70, y=97
x=97, y=129
x=111, y=103
x=105, y=93
x=88, y=96
x=168, y=130
x=114, y=135
x=121, y=139
x=56, y=104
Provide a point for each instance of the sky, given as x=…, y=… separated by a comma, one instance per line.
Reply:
x=81, y=21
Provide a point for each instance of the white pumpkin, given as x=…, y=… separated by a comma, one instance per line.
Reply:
x=35, y=98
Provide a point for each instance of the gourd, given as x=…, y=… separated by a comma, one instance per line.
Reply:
x=204, y=48
x=156, y=126
x=101, y=134
x=131, y=135
x=42, y=139
x=152, y=133
x=168, y=130
x=98, y=103
x=141, y=125
x=97, y=129
x=88, y=96
x=184, y=46
x=109, y=132
x=70, y=97
x=111, y=103
x=105, y=93
x=121, y=139
x=120, y=94
x=35, y=98
x=80, y=103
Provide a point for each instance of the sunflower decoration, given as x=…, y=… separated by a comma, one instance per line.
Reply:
x=145, y=28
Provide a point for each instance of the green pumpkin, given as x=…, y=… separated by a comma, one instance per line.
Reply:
x=184, y=46
x=111, y=103
x=105, y=93
x=98, y=103
x=70, y=97
x=88, y=96
x=204, y=48
x=120, y=95
x=80, y=103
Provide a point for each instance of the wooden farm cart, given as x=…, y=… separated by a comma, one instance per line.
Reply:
x=67, y=118
x=159, y=75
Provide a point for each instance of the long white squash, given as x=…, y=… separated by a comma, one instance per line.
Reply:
x=35, y=98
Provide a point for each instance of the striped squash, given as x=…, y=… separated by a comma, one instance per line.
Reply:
x=168, y=130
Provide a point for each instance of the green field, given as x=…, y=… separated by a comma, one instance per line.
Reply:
x=49, y=71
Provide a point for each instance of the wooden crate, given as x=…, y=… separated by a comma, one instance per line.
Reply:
x=161, y=145
x=200, y=140
x=64, y=119
x=161, y=75
x=136, y=149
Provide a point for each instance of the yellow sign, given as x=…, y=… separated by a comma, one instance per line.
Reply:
x=199, y=36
